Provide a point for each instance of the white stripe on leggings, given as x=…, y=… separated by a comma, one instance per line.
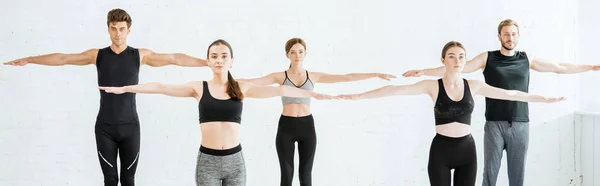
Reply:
x=104, y=159
x=136, y=156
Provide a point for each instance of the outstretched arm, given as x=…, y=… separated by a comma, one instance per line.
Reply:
x=257, y=91
x=471, y=66
x=58, y=59
x=185, y=90
x=486, y=90
x=421, y=87
x=319, y=77
x=263, y=81
x=153, y=59
x=543, y=65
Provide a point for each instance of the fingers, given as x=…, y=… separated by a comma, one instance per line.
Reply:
x=411, y=73
x=552, y=100
x=407, y=73
x=559, y=99
x=14, y=63
x=114, y=90
x=388, y=77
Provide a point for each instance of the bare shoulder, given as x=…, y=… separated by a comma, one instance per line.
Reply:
x=473, y=82
x=482, y=55
x=475, y=85
x=316, y=74
x=428, y=83
x=429, y=86
x=92, y=55
x=197, y=86
x=145, y=52
x=277, y=76
x=481, y=59
x=93, y=51
x=194, y=84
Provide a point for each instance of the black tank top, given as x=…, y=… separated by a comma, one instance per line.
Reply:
x=117, y=70
x=447, y=110
x=211, y=109
x=510, y=73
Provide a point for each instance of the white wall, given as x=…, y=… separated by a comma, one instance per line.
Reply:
x=588, y=125
x=587, y=54
x=589, y=104
x=47, y=113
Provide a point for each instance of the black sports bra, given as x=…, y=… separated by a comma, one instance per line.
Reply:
x=447, y=110
x=211, y=109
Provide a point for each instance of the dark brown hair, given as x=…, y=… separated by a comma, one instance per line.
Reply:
x=290, y=43
x=118, y=15
x=233, y=88
x=450, y=45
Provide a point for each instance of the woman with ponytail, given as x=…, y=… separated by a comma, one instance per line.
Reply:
x=220, y=160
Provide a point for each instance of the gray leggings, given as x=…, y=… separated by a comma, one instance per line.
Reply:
x=220, y=167
x=512, y=137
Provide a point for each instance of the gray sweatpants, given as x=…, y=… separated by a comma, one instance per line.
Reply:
x=220, y=170
x=512, y=137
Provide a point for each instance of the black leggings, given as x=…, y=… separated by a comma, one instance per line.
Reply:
x=448, y=153
x=291, y=130
x=124, y=138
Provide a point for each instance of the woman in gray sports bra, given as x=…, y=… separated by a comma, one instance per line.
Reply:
x=296, y=123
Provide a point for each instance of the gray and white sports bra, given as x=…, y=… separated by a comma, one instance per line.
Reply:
x=307, y=85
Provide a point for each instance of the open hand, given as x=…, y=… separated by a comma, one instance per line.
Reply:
x=414, y=73
x=552, y=100
x=17, y=62
x=114, y=90
x=385, y=76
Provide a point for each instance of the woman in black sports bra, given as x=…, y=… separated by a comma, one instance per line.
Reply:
x=220, y=160
x=453, y=146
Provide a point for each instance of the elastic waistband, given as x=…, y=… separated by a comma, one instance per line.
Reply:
x=103, y=123
x=224, y=152
x=299, y=117
x=448, y=138
x=505, y=121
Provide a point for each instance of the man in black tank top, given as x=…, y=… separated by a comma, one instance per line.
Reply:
x=117, y=125
x=507, y=125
